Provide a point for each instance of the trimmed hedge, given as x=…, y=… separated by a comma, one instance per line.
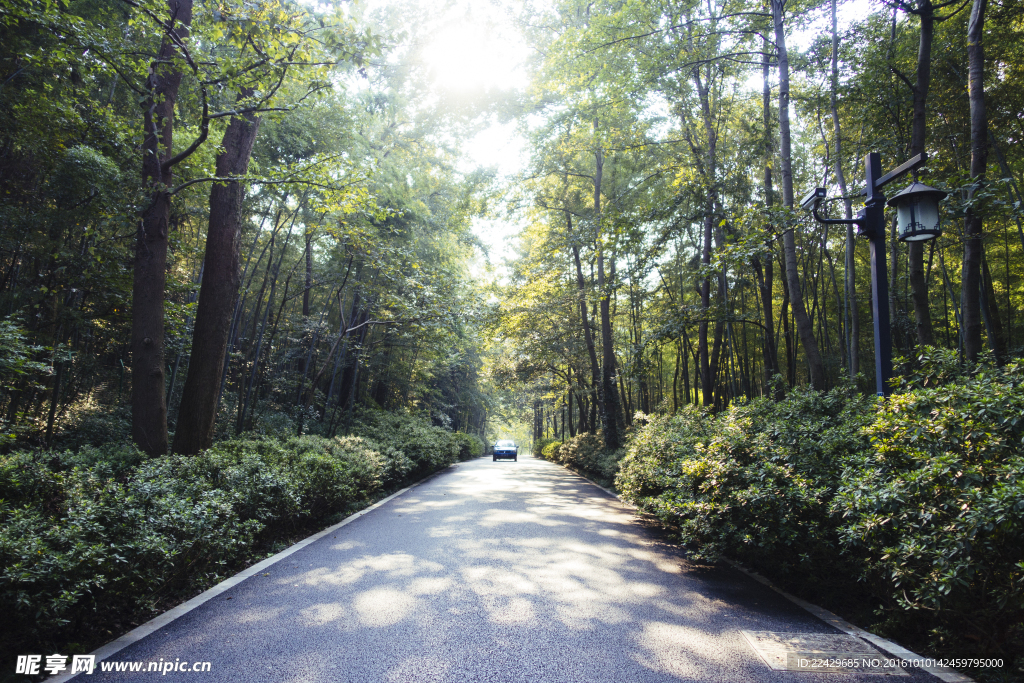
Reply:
x=94, y=540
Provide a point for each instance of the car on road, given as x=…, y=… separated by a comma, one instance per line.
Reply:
x=506, y=449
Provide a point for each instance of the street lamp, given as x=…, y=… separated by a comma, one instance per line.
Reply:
x=917, y=212
x=917, y=217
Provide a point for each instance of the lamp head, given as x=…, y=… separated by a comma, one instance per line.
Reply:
x=917, y=212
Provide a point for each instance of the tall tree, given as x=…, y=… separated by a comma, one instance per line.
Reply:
x=149, y=406
x=195, y=428
x=804, y=325
x=974, y=224
x=852, y=317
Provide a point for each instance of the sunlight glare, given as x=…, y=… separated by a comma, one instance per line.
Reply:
x=467, y=54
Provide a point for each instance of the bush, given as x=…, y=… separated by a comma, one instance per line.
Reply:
x=97, y=426
x=756, y=482
x=94, y=538
x=587, y=454
x=938, y=506
x=420, y=447
x=470, y=445
x=538, y=445
x=550, y=451
x=920, y=495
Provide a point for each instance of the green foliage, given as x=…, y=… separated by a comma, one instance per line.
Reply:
x=550, y=451
x=94, y=426
x=16, y=354
x=470, y=445
x=540, y=445
x=94, y=536
x=756, y=482
x=587, y=454
x=938, y=505
x=921, y=495
x=416, y=446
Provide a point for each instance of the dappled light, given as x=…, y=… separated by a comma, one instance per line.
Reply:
x=543, y=577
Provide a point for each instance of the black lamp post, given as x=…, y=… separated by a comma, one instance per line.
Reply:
x=917, y=216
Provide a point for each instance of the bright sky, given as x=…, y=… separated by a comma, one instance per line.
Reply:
x=476, y=48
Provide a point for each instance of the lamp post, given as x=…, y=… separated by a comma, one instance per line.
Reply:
x=917, y=216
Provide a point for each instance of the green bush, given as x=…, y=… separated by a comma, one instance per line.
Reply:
x=550, y=451
x=586, y=453
x=921, y=495
x=470, y=445
x=92, y=538
x=426, y=447
x=756, y=482
x=99, y=427
x=938, y=505
x=538, y=445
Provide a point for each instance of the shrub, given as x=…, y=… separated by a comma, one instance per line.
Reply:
x=92, y=538
x=426, y=447
x=96, y=426
x=550, y=451
x=538, y=445
x=920, y=495
x=587, y=454
x=939, y=504
x=470, y=445
x=756, y=482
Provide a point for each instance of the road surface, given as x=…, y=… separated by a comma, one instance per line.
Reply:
x=490, y=571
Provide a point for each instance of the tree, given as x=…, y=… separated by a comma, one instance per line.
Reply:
x=971, y=294
x=149, y=407
x=803, y=322
x=221, y=277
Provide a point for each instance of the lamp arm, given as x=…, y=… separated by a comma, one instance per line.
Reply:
x=832, y=221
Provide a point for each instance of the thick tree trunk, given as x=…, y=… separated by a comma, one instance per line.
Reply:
x=918, y=137
x=970, y=302
x=198, y=412
x=149, y=406
x=803, y=322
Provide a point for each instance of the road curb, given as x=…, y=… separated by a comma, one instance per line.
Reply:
x=158, y=622
x=942, y=673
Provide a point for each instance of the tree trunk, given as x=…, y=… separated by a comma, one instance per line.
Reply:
x=990, y=312
x=198, y=412
x=852, y=319
x=611, y=416
x=149, y=406
x=918, y=137
x=970, y=302
x=803, y=323
x=765, y=274
x=595, y=371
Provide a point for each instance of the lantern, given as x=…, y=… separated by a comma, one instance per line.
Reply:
x=917, y=212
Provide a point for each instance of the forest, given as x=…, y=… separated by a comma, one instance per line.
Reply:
x=244, y=237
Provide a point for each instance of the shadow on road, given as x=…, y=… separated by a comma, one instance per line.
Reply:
x=490, y=572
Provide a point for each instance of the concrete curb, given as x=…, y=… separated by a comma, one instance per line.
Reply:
x=184, y=608
x=942, y=673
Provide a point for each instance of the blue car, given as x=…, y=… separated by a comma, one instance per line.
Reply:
x=506, y=449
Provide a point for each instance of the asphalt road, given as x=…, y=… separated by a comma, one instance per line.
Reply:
x=488, y=572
